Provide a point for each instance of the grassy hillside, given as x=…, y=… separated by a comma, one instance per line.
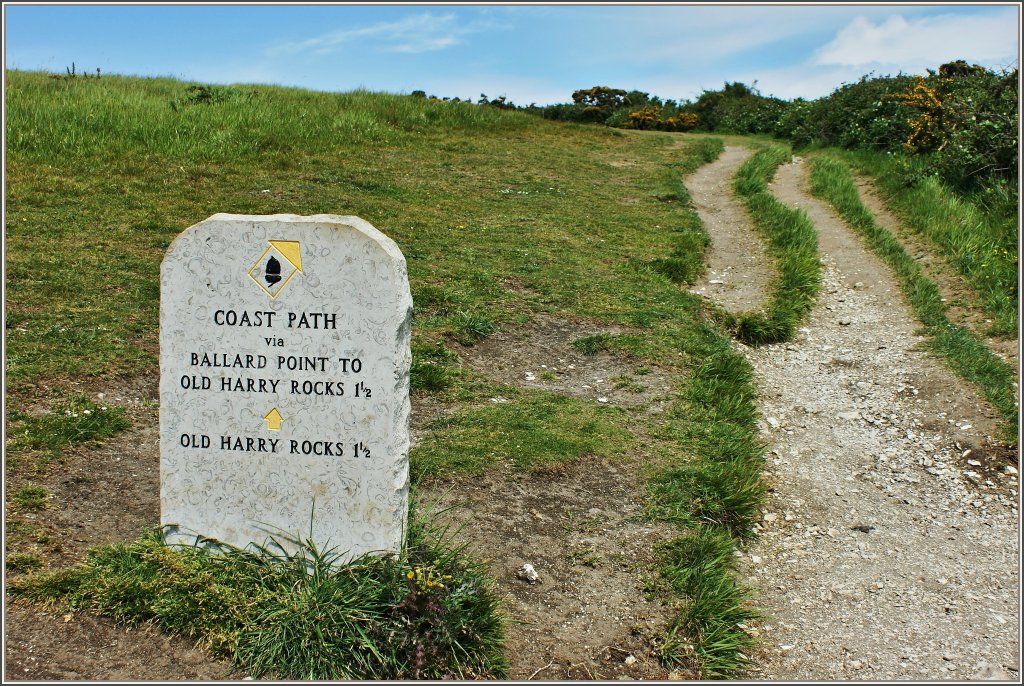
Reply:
x=103, y=174
x=501, y=216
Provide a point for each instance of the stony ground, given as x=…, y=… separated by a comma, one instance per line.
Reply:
x=889, y=548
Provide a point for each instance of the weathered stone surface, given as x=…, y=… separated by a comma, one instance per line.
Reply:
x=284, y=383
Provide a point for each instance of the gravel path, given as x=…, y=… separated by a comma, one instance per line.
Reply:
x=738, y=272
x=890, y=543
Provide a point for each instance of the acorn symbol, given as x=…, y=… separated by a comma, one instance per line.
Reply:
x=273, y=271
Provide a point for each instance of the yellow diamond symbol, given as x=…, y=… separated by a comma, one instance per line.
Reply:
x=276, y=266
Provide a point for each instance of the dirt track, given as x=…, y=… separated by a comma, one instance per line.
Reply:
x=889, y=546
x=738, y=272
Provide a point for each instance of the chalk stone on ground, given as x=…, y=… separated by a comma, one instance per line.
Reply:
x=284, y=384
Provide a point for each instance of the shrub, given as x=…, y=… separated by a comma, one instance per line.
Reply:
x=856, y=115
x=646, y=119
x=598, y=102
x=965, y=118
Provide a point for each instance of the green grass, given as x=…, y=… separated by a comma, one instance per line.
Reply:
x=501, y=216
x=429, y=613
x=685, y=263
x=700, y=567
x=434, y=367
x=792, y=243
x=715, y=499
x=73, y=420
x=531, y=430
x=966, y=355
x=22, y=562
x=977, y=235
x=469, y=327
x=593, y=344
x=30, y=497
x=475, y=197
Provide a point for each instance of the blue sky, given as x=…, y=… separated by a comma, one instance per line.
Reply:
x=529, y=53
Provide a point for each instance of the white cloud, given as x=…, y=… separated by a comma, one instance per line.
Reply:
x=705, y=34
x=989, y=38
x=417, y=33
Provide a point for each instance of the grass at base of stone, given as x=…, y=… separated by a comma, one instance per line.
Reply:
x=976, y=234
x=716, y=500
x=965, y=354
x=792, y=242
x=429, y=613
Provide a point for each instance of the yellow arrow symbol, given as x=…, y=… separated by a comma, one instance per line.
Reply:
x=291, y=252
x=274, y=419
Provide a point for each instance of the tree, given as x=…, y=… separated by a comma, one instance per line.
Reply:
x=598, y=102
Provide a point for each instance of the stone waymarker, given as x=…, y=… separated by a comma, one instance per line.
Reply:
x=284, y=383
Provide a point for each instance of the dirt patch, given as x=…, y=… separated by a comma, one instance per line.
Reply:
x=579, y=527
x=964, y=309
x=43, y=646
x=541, y=356
x=578, y=524
x=738, y=268
x=887, y=551
x=84, y=483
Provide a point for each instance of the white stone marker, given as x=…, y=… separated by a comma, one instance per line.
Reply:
x=284, y=384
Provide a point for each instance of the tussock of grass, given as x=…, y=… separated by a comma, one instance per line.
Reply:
x=792, y=242
x=468, y=327
x=428, y=614
x=969, y=357
x=30, y=497
x=434, y=368
x=717, y=499
x=594, y=343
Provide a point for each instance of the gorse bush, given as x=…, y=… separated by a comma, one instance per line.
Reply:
x=856, y=115
x=962, y=120
x=966, y=121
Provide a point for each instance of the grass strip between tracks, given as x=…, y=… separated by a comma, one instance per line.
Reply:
x=717, y=498
x=792, y=242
